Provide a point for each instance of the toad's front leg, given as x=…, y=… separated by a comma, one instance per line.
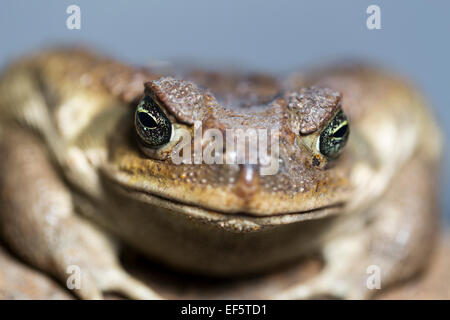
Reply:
x=38, y=222
x=396, y=242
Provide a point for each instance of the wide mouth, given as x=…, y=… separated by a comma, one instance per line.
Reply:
x=224, y=219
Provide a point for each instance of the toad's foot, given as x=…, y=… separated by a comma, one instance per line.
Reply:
x=390, y=246
x=38, y=222
x=340, y=278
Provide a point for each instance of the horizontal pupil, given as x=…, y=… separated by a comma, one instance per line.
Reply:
x=340, y=133
x=147, y=120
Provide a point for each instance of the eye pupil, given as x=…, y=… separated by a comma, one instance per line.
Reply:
x=147, y=120
x=341, y=132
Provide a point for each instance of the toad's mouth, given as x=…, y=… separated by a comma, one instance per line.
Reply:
x=251, y=221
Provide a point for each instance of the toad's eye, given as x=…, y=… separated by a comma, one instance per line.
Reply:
x=334, y=137
x=152, y=125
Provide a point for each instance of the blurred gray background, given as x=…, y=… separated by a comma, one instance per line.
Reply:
x=275, y=36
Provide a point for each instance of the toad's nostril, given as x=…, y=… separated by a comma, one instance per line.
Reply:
x=248, y=182
x=248, y=172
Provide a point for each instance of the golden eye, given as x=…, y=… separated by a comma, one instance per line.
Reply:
x=334, y=137
x=152, y=125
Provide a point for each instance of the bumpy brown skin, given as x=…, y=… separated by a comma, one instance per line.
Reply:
x=358, y=210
